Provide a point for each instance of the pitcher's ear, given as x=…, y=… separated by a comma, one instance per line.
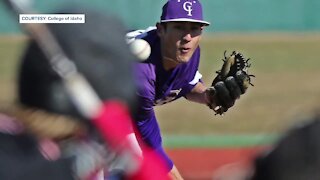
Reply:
x=160, y=28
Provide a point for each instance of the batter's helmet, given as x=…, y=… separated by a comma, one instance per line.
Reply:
x=296, y=156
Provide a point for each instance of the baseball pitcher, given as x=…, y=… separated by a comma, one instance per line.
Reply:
x=171, y=71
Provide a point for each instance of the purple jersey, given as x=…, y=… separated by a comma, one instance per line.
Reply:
x=156, y=86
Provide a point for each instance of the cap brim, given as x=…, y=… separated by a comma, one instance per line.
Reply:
x=186, y=20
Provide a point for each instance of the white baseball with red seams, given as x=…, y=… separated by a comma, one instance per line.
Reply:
x=140, y=48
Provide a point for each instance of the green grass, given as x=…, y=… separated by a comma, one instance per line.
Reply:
x=287, y=86
x=269, y=54
x=218, y=141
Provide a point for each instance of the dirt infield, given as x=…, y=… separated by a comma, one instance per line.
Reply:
x=203, y=163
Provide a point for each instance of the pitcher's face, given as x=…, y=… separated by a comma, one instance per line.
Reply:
x=179, y=40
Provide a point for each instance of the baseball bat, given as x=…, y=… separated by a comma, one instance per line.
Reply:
x=86, y=100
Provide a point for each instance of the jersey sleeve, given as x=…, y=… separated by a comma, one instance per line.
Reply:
x=194, y=75
x=145, y=119
x=149, y=131
x=138, y=34
x=197, y=78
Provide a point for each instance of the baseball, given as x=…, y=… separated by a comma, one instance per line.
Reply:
x=140, y=48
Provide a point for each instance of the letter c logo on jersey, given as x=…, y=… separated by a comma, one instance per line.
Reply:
x=187, y=6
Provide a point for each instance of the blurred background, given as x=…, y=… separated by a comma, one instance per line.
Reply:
x=282, y=38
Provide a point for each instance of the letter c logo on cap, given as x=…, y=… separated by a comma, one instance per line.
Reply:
x=187, y=6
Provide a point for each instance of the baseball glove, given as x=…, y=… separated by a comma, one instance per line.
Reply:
x=232, y=81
